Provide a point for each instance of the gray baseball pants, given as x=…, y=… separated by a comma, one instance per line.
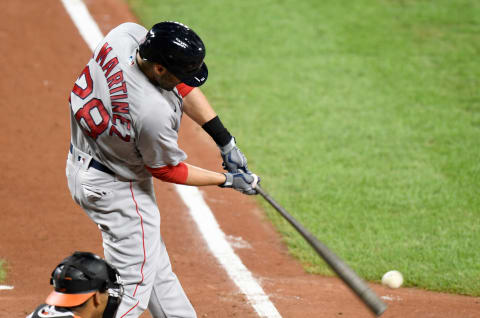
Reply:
x=126, y=212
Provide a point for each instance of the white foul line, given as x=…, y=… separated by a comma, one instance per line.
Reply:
x=191, y=196
x=84, y=22
x=5, y=287
x=224, y=253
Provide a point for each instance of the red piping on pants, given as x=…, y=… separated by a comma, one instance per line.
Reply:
x=143, y=238
x=130, y=309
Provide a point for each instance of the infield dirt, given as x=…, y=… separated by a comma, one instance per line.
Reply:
x=43, y=55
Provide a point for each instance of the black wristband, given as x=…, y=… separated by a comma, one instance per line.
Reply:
x=215, y=129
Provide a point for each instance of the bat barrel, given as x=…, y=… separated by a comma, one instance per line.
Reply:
x=355, y=283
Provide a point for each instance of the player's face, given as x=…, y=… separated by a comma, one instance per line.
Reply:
x=167, y=80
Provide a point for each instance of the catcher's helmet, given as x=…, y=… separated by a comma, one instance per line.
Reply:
x=178, y=49
x=79, y=276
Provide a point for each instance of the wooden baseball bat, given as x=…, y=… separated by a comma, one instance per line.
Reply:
x=359, y=287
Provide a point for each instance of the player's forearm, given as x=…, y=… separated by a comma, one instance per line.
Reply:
x=184, y=173
x=197, y=107
x=201, y=177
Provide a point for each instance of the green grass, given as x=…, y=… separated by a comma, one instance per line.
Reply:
x=363, y=120
x=3, y=273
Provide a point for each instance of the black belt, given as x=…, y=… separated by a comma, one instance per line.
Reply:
x=96, y=164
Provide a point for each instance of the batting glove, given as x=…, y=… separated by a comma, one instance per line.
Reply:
x=233, y=159
x=241, y=181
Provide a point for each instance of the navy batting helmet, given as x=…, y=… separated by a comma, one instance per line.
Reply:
x=178, y=49
x=79, y=276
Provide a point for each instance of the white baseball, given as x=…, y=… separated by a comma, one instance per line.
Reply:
x=392, y=279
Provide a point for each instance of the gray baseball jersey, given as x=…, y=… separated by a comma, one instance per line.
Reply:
x=118, y=116
x=122, y=121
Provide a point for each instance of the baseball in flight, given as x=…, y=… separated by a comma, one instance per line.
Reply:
x=392, y=279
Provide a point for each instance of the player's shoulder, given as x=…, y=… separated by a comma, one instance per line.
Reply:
x=132, y=27
x=136, y=30
x=160, y=108
x=165, y=100
x=47, y=311
x=158, y=103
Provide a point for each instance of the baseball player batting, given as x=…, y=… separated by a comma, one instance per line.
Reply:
x=126, y=108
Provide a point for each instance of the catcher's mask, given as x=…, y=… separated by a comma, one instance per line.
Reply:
x=178, y=49
x=79, y=276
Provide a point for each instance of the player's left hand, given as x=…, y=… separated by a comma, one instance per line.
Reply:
x=233, y=159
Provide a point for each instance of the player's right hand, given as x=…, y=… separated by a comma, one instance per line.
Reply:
x=241, y=181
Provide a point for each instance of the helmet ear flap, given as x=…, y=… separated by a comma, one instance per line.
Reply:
x=60, y=272
x=51, y=275
x=104, y=286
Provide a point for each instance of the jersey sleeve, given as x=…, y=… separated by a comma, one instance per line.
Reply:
x=184, y=89
x=157, y=137
x=174, y=174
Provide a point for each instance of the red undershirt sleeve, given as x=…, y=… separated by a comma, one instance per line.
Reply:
x=173, y=174
x=184, y=89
